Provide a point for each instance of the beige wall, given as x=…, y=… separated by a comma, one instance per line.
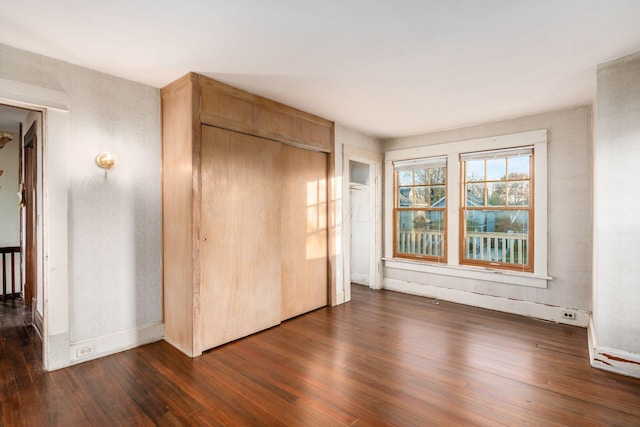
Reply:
x=105, y=230
x=9, y=181
x=617, y=225
x=569, y=209
x=9, y=210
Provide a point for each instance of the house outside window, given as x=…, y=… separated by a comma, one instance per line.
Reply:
x=496, y=219
x=420, y=209
x=497, y=209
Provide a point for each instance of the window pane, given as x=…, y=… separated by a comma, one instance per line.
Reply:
x=405, y=177
x=420, y=176
x=496, y=169
x=437, y=197
x=519, y=193
x=404, y=197
x=435, y=220
x=497, y=236
x=497, y=193
x=437, y=175
x=420, y=233
x=421, y=197
x=475, y=170
x=518, y=167
x=475, y=221
x=498, y=221
x=510, y=221
x=475, y=194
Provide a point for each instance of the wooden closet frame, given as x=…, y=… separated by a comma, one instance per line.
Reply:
x=187, y=104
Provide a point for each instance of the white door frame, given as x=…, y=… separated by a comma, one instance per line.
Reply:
x=375, y=161
x=52, y=238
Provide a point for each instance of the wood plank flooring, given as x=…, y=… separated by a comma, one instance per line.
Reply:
x=383, y=359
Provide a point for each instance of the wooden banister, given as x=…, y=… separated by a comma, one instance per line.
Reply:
x=9, y=252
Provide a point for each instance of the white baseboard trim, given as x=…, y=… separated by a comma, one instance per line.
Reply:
x=82, y=351
x=610, y=359
x=360, y=279
x=591, y=339
x=56, y=354
x=523, y=308
x=38, y=322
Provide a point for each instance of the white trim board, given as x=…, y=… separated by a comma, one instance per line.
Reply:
x=32, y=96
x=479, y=144
x=477, y=273
x=610, y=359
x=114, y=343
x=506, y=305
x=360, y=279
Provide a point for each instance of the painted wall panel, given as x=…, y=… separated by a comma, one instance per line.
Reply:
x=361, y=238
x=617, y=229
x=9, y=210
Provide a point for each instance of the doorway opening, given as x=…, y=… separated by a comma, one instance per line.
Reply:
x=362, y=220
x=21, y=263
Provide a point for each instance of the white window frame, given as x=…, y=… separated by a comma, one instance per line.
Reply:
x=538, y=139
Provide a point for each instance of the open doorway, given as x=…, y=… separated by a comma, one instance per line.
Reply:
x=21, y=212
x=361, y=209
x=362, y=219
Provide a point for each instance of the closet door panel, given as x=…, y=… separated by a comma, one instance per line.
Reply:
x=241, y=236
x=304, y=231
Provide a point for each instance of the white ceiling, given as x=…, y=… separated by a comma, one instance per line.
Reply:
x=385, y=67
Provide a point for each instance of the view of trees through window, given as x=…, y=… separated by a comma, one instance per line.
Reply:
x=497, y=210
x=420, y=211
x=495, y=216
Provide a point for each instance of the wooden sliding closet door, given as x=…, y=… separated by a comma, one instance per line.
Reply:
x=304, y=231
x=241, y=237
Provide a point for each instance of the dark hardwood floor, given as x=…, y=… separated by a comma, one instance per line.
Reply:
x=383, y=359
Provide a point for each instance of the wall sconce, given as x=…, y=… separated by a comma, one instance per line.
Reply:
x=105, y=161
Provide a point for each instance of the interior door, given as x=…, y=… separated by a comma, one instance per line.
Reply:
x=241, y=236
x=304, y=231
x=30, y=226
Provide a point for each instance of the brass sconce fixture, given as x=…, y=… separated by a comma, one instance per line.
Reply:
x=105, y=161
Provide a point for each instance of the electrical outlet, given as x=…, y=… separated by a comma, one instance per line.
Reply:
x=85, y=351
x=569, y=315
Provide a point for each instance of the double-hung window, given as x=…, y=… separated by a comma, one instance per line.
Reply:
x=420, y=209
x=485, y=228
x=497, y=209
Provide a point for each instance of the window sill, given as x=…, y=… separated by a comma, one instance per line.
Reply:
x=476, y=273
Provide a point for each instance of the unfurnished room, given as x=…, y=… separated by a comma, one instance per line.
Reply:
x=402, y=213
